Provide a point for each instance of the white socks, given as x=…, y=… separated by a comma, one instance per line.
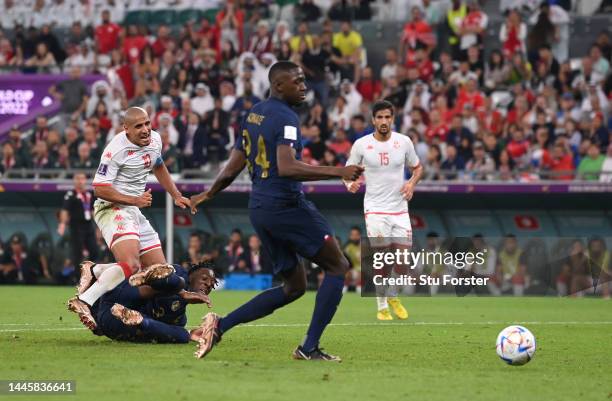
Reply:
x=110, y=277
x=382, y=303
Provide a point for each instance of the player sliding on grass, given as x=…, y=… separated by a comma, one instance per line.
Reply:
x=284, y=220
x=385, y=155
x=120, y=188
x=153, y=310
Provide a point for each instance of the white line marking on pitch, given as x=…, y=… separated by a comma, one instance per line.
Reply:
x=355, y=324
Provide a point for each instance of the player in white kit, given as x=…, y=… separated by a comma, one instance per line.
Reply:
x=385, y=155
x=119, y=185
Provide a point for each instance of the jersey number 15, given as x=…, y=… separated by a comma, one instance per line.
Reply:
x=261, y=159
x=384, y=158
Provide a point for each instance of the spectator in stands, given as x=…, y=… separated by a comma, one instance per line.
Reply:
x=454, y=17
x=513, y=34
x=543, y=33
x=307, y=11
x=601, y=65
x=41, y=130
x=505, y=166
x=253, y=260
x=558, y=164
x=261, y=41
x=41, y=158
x=590, y=166
x=73, y=96
x=314, y=64
x=21, y=148
x=234, y=249
x=230, y=23
x=518, y=146
x=417, y=33
x=168, y=71
x=84, y=160
x=606, y=168
x=281, y=35
x=22, y=265
x=91, y=137
x=170, y=153
x=433, y=163
x=369, y=87
x=453, y=163
x=217, y=123
x=315, y=144
x=350, y=44
x=392, y=67
x=195, y=248
x=107, y=34
x=133, y=45
x=480, y=166
x=575, y=274
x=472, y=27
x=340, y=144
x=43, y=60
x=77, y=215
x=9, y=160
x=80, y=56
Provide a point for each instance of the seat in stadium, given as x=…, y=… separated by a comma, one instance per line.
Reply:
x=162, y=17
x=138, y=17
x=183, y=17
x=210, y=14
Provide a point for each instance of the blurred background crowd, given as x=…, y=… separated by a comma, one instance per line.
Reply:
x=523, y=110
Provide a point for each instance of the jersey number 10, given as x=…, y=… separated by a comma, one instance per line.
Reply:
x=261, y=159
x=384, y=158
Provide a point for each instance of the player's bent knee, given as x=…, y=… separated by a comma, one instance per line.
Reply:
x=294, y=292
x=340, y=268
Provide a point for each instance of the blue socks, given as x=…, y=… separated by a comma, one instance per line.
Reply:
x=328, y=299
x=258, y=307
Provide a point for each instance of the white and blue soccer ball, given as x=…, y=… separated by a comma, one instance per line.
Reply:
x=515, y=345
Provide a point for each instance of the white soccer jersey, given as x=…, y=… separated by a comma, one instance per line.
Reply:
x=126, y=166
x=385, y=163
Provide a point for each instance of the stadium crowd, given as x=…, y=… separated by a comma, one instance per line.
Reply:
x=522, y=112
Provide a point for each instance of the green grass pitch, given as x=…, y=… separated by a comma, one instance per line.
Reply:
x=445, y=351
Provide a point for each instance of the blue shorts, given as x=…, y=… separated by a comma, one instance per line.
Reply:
x=289, y=228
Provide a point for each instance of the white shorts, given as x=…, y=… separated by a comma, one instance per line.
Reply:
x=119, y=223
x=386, y=229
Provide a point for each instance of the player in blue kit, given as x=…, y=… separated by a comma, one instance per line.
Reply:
x=151, y=309
x=287, y=224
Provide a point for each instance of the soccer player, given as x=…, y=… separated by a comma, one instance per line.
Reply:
x=119, y=185
x=147, y=309
x=385, y=155
x=284, y=220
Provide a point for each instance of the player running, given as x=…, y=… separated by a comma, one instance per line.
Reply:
x=119, y=185
x=284, y=220
x=385, y=155
x=147, y=309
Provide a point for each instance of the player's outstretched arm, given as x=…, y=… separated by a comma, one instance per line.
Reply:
x=232, y=169
x=290, y=167
x=110, y=194
x=163, y=177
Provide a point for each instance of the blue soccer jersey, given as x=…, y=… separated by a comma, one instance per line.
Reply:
x=268, y=124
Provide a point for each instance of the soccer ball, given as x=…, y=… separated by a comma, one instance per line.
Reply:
x=515, y=345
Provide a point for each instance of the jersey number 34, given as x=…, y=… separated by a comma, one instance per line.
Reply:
x=261, y=159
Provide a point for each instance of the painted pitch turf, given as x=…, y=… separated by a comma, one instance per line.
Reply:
x=445, y=351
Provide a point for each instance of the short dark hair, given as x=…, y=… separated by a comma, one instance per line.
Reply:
x=279, y=67
x=357, y=228
x=382, y=105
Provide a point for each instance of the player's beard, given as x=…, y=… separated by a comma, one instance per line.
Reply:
x=384, y=134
